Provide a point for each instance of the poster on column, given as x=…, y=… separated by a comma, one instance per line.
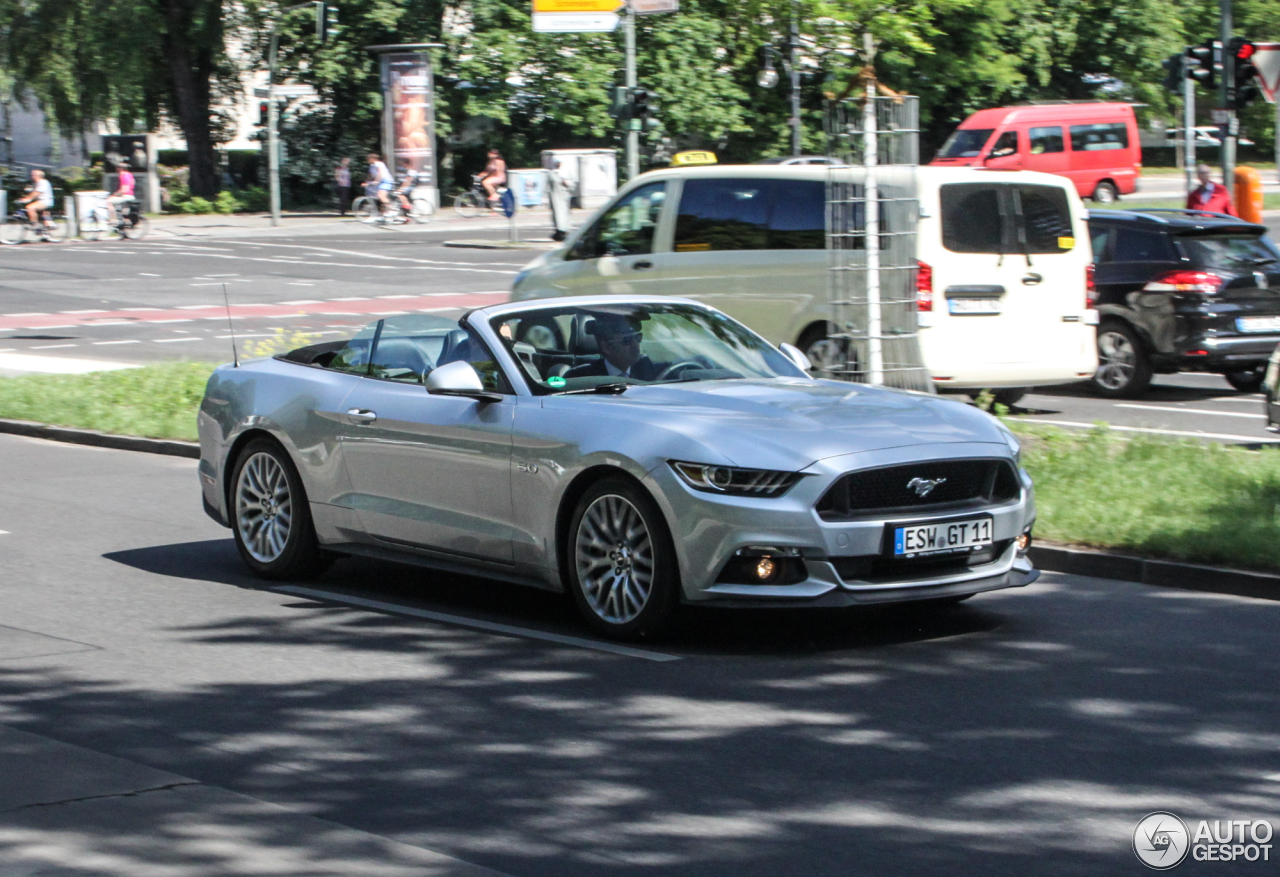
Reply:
x=410, y=108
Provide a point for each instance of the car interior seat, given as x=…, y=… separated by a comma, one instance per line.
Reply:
x=401, y=357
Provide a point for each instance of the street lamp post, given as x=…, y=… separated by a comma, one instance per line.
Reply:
x=768, y=76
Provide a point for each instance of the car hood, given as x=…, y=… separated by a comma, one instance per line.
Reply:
x=785, y=423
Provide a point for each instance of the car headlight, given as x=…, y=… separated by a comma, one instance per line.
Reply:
x=732, y=481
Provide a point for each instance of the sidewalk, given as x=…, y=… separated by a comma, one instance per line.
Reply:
x=530, y=225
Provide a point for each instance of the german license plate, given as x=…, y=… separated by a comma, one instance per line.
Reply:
x=919, y=540
x=1258, y=324
x=974, y=305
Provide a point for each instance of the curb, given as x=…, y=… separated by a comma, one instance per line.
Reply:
x=97, y=439
x=1162, y=573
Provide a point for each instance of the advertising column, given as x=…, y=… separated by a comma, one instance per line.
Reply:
x=409, y=133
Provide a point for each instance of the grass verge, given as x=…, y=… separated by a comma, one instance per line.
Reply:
x=156, y=401
x=1182, y=500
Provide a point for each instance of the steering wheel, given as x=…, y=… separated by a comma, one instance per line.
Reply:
x=677, y=367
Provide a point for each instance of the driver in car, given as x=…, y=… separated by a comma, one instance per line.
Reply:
x=619, y=339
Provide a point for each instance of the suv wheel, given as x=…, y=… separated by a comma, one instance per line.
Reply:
x=1247, y=380
x=1124, y=371
x=1106, y=193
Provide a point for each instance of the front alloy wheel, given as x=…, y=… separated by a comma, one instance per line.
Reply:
x=622, y=571
x=270, y=516
x=1123, y=369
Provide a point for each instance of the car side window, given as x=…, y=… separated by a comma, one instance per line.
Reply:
x=1091, y=138
x=972, y=219
x=1007, y=144
x=1098, y=237
x=723, y=214
x=1046, y=217
x=1134, y=245
x=1046, y=139
x=798, y=215
x=354, y=357
x=627, y=228
x=469, y=348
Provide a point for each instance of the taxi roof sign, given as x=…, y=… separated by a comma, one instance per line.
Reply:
x=693, y=158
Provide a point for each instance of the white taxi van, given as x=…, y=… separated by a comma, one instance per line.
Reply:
x=1005, y=293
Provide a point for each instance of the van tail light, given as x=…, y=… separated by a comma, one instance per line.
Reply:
x=1090, y=288
x=924, y=287
x=1185, y=281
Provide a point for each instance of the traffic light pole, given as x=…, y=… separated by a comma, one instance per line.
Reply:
x=633, y=135
x=1225, y=90
x=1189, y=131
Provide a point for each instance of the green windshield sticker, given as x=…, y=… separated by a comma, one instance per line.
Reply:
x=555, y=381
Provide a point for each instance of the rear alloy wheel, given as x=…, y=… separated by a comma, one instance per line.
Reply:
x=620, y=561
x=270, y=516
x=1123, y=370
x=1106, y=193
x=1247, y=380
x=826, y=354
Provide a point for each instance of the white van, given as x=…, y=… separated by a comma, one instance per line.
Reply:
x=1004, y=288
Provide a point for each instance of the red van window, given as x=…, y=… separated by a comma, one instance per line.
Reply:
x=1091, y=138
x=1047, y=139
x=1006, y=145
x=965, y=143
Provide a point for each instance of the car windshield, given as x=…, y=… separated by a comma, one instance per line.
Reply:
x=567, y=349
x=965, y=143
x=1235, y=252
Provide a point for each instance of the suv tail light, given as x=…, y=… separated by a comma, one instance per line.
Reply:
x=924, y=287
x=1090, y=288
x=1185, y=281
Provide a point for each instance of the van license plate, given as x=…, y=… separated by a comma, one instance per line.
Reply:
x=920, y=540
x=974, y=305
x=1258, y=324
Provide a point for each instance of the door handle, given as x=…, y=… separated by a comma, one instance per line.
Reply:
x=362, y=415
x=1032, y=279
x=642, y=265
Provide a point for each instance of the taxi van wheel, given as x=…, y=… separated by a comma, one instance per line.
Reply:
x=1106, y=193
x=1247, y=380
x=270, y=515
x=620, y=562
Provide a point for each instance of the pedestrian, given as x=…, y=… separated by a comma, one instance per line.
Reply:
x=342, y=176
x=1210, y=196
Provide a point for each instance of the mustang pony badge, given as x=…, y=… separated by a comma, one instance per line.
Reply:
x=924, y=486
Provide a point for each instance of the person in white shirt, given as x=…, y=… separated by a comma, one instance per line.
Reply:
x=41, y=197
x=380, y=174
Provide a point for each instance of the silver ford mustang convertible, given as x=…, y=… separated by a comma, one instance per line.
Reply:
x=637, y=454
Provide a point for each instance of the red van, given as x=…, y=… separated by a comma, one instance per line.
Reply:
x=1095, y=145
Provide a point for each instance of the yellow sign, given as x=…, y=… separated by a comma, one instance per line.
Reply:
x=576, y=5
x=1066, y=243
x=692, y=158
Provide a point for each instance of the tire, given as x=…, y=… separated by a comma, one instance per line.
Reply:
x=368, y=211
x=136, y=229
x=94, y=227
x=1247, y=380
x=468, y=205
x=421, y=210
x=1009, y=396
x=276, y=541
x=1106, y=193
x=821, y=350
x=57, y=233
x=619, y=561
x=13, y=232
x=1124, y=371
x=357, y=204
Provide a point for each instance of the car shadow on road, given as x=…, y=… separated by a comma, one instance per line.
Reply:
x=695, y=629
x=1156, y=393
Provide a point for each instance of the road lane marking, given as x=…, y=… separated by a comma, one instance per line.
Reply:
x=1258, y=416
x=49, y=346
x=365, y=255
x=104, y=343
x=145, y=274
x=173, y=340
x=477, y=624
x=1214, y=435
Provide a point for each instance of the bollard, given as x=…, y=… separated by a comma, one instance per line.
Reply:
x=1249, y=194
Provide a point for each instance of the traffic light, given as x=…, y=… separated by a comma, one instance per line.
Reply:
x=644, y=107
x=1175, y=71
x=1202, y=63
x=619, y=102
x=1244, y=75
x=326, y=20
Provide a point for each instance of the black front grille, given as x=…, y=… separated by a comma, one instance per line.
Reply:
x=956, y=484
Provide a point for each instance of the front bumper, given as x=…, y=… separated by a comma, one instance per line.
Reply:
x=710, y=529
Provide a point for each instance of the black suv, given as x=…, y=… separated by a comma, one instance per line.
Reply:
x=1182, y=290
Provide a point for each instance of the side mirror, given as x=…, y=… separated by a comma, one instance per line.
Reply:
x=458, y=379
x=796, y=355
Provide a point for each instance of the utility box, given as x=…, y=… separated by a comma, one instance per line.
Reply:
x=591, y=174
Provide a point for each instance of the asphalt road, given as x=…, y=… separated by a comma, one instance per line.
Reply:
x=162, y=299
x=163, y=713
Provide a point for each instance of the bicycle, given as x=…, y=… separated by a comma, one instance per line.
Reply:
x=474, y=201
x=369, y=209
x=129, y=223
x=18, y=226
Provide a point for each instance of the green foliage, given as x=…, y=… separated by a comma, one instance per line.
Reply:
x=159, y=401
x=1191, y=501
x=196, y=204
x=226, y=203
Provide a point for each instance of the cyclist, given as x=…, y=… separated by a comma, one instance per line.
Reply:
x=123, y=195
x=40, y=199
x=495, y=175
x=380, y=176
x=408, y=183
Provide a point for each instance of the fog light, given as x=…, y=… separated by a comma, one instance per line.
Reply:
x=765, y=568
x=1024, y=542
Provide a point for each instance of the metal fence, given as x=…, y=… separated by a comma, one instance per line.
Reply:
x=872, y=334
